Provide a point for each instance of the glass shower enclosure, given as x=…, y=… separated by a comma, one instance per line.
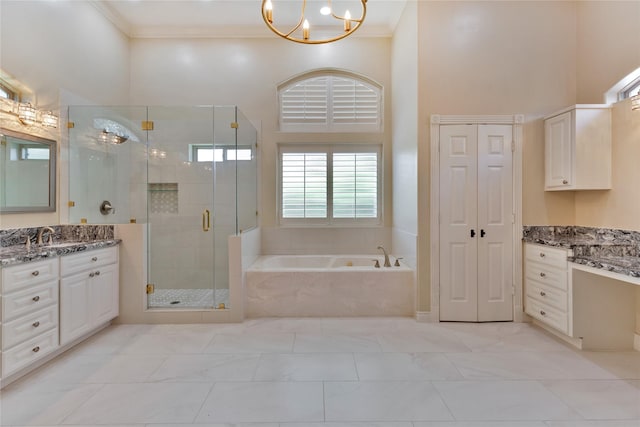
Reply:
x=186, y=173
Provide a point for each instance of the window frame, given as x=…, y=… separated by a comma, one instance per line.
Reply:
x=330, y=149
x=329, y=126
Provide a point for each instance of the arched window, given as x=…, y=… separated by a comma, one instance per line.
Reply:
x=330, y=101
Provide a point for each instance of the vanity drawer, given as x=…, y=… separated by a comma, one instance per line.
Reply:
x=547, y=294
x=547, y=255
x=28, y=274
x=548, y=275
x=29, y=326
x=74, y=263
x=27, y=300
x=548, y=315
x=28, y=352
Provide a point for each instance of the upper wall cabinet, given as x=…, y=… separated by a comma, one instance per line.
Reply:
x=578, y=148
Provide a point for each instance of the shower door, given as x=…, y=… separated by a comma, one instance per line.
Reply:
x=181, y=188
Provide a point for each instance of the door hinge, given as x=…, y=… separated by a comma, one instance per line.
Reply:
x=513, y=289
x=147, y=125
x=71, y=203
x=513, y=146
x=150, y=288
x=234, y=125
x=71, y=125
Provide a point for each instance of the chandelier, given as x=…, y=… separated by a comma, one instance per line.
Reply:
x=302, y=32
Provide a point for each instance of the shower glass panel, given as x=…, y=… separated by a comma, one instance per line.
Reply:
x=187, y=174
x=247, y=169
x=107, y=162
x=181, y=230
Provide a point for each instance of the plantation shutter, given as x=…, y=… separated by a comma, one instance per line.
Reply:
x=330, y=103
x=305, y=102
x=354, y=102
x=355, y=185
x=304, y=185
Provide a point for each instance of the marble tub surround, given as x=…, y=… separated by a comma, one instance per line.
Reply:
x=608, y=249
x=67, y=239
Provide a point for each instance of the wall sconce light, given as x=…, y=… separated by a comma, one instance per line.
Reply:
x=27, y=114
x=635, y=102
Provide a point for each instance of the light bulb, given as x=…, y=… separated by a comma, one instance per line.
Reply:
x=347, y=21
x=325, y=10
x=305, y=30
x=268, y=8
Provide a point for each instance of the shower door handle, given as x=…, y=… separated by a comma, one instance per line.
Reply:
x=206, y=220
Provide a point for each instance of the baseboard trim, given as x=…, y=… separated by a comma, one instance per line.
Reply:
x=636, y=342
x=427, y=317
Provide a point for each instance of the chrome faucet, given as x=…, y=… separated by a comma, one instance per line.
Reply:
x=41, y=232
x=387, y=263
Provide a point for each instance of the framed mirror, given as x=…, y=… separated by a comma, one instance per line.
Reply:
x=27, y=173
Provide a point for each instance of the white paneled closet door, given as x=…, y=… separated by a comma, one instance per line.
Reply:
x=476, y=191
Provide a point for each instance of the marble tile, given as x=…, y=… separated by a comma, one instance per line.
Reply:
x=351, y=424
x=383, y=401
x=101, y=369
x=110, y=340
x=263, y=402
x=152, y=344
x=600, y=400
x=527, y=365
x=405, y=366
x=481, y=424
x=206, y=368
x=524, y=339
x=306, y=367
x=251, y=343
x=169, y=403
x=362, y=325
x=623, y=365
x=502, y=400
x=420, y=342
x=284, y=325
x=215, y=425
x=589, y=423
x=44, y=404
x=335, y=343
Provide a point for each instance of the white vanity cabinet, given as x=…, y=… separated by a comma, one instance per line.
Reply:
x=578, y=148
x=29, y=313
x=547, y=289
x=88, y=292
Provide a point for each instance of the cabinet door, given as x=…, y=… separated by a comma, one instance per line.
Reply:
x=458, y=223
x=75, y=307
x=104, y=294
x=558, y=151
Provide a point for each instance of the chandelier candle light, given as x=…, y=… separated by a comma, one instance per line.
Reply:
x=349, y=24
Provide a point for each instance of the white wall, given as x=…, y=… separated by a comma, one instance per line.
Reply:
x=245, y=72
x=61, y=46
x=404, y=73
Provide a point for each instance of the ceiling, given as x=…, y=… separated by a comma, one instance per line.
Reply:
x=235, y=18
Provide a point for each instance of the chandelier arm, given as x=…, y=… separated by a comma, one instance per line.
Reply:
x=358, y=20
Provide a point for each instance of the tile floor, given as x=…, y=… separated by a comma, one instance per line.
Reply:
x=364, y=372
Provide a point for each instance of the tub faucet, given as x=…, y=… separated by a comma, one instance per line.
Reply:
x=387, y=263
x=41, y=232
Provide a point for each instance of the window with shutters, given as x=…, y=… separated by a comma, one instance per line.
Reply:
x=330, y=184
x=330, y=101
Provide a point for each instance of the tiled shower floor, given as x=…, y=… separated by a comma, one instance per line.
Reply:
x=188, y=298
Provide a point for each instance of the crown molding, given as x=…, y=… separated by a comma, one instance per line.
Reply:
x=114, y=17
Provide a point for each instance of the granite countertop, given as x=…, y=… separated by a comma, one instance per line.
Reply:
x=617, y=251
x=18, y=254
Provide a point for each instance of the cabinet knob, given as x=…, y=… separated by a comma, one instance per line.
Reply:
x=542, y=255
x=98, y=273
x=36, y=349
x=565, y=182
x=94, y=259
x=35, y=273
x=543, y=294
x=543, y=313
x=36, y=298
x=543, y=275
x=92, y=274
x=36, y=324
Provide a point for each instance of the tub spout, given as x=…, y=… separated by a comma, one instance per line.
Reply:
x=387, y=263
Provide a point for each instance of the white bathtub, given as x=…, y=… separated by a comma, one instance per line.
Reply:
x=324, y=285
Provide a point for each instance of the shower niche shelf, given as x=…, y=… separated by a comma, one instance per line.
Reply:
x=163, y=197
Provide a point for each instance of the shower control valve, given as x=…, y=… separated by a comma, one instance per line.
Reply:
x=106, y=208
